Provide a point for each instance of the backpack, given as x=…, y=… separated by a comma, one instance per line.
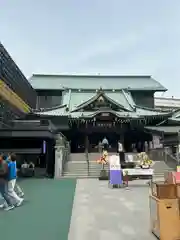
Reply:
x=3, y=170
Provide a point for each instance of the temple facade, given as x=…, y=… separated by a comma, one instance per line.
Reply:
x=88, y=108
x=40, y=115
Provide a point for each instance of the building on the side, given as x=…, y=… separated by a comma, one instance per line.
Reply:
x=166, y=103
x=17, y=97
x=17, y=100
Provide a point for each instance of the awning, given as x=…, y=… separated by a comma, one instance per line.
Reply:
x=164, y=129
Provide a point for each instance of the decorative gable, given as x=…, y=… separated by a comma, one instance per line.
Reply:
x=100, y=102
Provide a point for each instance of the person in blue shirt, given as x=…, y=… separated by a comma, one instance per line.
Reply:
x=7, y=205
x=12, y=175
x=17, y=188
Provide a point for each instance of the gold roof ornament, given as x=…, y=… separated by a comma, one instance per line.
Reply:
x=101, y=99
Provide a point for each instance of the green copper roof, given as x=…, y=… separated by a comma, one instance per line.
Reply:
x=73, y=103
x=175, y=116
x=78, y=98
x=45, y=82
x=57, y=111
x=120, y=98
x=139, y=112
x=165, y=129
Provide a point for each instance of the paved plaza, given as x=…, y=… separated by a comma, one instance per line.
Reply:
x=101, y=213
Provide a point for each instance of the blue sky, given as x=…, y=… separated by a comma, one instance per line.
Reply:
x=95, y=36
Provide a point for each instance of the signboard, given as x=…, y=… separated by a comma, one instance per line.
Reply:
x=115, y=170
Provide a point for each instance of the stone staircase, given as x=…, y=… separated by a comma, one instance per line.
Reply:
x=77, y=167
x=160, y=167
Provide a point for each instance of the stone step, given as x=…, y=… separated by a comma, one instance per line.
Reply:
x=79, y=177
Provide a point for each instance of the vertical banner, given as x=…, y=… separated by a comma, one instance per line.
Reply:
x=115, y=170
x=44, y=147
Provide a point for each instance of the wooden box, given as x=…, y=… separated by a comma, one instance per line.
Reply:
x=178, y=191
x=165, y=218
x=163, y=190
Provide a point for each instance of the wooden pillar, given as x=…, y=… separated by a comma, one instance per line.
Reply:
x=50, y=158
x=86, y=143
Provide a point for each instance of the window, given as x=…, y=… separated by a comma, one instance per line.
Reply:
x=48, y=101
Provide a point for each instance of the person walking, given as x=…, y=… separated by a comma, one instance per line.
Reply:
x=12, y=176
x=121, y=152
x=17, y=188
x=7, y=205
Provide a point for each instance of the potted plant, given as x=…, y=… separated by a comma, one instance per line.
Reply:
x=103, y=175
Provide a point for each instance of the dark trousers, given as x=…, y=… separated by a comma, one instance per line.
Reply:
x=121, y=157
x=3, y=192
x=105, y=146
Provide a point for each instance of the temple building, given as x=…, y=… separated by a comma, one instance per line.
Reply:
x=83, y=109
x=88, y=108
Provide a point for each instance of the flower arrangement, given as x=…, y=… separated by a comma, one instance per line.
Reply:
x=104, y=158
x=144, y=161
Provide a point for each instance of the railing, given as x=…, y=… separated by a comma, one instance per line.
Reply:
x=163, y=154
x=157, y=154
x=65, y=155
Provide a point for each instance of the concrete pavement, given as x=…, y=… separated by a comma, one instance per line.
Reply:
x=101, y=213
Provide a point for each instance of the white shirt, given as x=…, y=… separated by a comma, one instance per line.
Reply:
x=120, y=147
x=105, y=141
x=24, y=165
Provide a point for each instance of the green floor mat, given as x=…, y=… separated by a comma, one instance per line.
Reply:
x=45, y=214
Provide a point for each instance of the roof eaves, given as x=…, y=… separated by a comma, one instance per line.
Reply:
x=50, y=109
x=155, y=89
x=124, y=93
x=84, y=104
x=176, y=113
x=95, y=97
x=116, y=103
x=100, y=111
x=151, y=109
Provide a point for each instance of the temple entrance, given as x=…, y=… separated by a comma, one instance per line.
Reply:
x=78, y=139
x=132, y=140
x=96, y=138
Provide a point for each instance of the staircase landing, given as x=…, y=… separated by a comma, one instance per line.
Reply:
x=77, y=167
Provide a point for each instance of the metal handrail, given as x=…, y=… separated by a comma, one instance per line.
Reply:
x=163, y=154
x=66, y=156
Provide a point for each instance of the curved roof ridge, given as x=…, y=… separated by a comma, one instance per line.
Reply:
x=149, y=109
x=92, y=75
x=124, y=93
x=51, y=108
x=95, y=97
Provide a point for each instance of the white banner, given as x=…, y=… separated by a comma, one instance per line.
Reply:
x=138, y=171
x=114, y=163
